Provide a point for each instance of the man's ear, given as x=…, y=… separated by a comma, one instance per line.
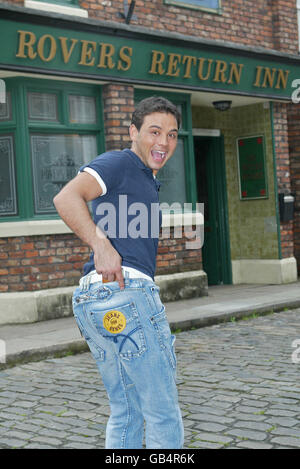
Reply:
x=133, y=132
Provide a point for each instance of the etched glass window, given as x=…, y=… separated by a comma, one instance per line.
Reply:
x=8, y=199
x=5, y=108
x=55, y=161
x=172, y=178
x=82, y=110
x=42, y=106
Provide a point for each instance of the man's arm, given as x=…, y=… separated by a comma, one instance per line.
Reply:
x=71, y=205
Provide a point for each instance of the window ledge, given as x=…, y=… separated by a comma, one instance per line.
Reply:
x=55, y=8
x=33, y=228
x=182, y=219
x=49, y=227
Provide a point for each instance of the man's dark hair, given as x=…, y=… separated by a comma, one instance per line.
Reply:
x=154, y=104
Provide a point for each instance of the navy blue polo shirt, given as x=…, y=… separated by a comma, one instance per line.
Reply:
x=128, y=209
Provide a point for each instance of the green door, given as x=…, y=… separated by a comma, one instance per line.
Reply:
x=211, y=190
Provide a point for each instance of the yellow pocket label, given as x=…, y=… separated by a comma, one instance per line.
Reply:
x=114, y=321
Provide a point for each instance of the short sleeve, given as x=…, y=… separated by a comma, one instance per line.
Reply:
x=106, y=169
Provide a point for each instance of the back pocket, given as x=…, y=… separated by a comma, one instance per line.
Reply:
x=120, y=325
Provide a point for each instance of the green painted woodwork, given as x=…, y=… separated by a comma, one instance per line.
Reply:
x=21, y=128
x=140, y=57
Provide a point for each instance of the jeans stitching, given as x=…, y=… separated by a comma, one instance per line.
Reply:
x=139, y=329
x=88, y=333
x=126, y=426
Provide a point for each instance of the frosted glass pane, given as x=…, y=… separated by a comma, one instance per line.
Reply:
x=8, y=199
x=55, y=161
x=5, y=108
x=82, y=110
x=42, y=106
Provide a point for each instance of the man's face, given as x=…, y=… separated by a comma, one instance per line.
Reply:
x=156, y=140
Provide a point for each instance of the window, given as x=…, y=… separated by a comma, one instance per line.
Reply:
x=177, y=177
x=209, y=5
x=8, y=197
x=67, y=7
x=47, y=131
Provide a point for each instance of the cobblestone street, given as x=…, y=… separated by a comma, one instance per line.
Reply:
x=238, y=387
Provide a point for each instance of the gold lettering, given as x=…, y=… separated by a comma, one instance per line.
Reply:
x=188, y=59
x=200, y=69
x=107, y=51
x=174, y=60
x=221, y=68
x=88, y=47
x=269, y=77
x=157, y=61
x=41, y=48
x=65, y=51
x=125, y=58
x=234, y=71
x=26, y=39
x=283, y=78
x=258, y=76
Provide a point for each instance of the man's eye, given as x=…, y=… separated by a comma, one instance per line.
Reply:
x=173, y=135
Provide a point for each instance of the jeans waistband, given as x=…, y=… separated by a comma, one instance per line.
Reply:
x=128, y=272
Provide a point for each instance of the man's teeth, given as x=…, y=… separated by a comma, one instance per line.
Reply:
x=159, y=154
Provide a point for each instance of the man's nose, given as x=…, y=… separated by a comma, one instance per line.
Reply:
x=163, y=139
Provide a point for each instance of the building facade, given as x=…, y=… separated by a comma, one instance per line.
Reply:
x=71, y=73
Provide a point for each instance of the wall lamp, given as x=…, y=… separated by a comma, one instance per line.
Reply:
x=222, y=105
x=128, y=12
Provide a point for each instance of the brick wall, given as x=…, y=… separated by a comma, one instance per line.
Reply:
x=285, y=25
x=118, y=105
x=281, y=140
x=39, y=262
x=29, y=263
x=270, y=23
x=294, y=149
x=242, y=21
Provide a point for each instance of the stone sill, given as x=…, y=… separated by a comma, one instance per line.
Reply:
x=54, y=303
x=49, y=227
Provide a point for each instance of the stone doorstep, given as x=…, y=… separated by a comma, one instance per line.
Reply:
x=28, y=307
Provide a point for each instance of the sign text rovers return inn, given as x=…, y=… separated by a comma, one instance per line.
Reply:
x=106, y=56
x=138, y=58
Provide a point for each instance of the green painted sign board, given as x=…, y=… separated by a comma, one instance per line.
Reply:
x=142, y=58
x=252, y=168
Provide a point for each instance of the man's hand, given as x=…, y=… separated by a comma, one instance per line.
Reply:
x=108, y=262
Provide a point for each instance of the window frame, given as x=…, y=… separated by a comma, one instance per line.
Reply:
x=185, y=133
x=64, y=7
x=70, y=3
x=186, y=4
x=22, y=128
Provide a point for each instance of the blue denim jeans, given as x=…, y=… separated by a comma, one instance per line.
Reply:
x=130, y=339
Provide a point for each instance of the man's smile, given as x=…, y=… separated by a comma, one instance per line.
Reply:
x=158, y=155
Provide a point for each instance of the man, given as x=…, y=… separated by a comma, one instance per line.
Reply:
x=117, y=305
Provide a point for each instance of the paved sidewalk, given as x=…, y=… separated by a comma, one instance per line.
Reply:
x=29, y=342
